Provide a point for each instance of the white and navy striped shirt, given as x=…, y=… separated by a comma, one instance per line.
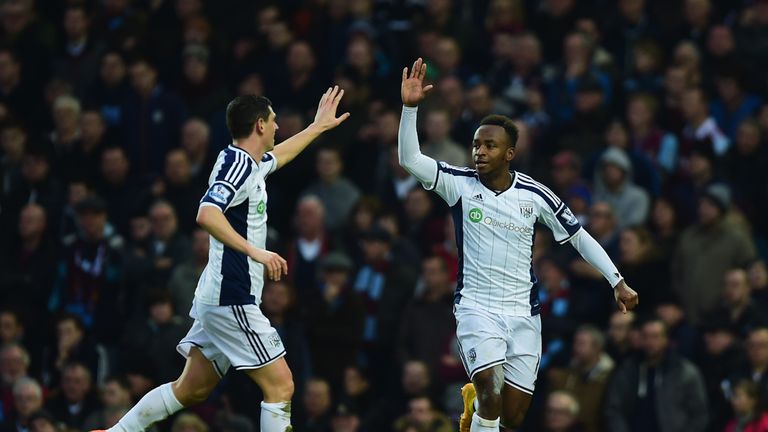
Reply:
x=237, y=188
x=495, y=235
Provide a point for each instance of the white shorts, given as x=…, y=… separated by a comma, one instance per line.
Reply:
x=237, y=336
x=487, y=340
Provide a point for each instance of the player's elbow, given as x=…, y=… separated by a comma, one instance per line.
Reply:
x=203, y=217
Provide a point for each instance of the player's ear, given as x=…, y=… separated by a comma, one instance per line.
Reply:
x=510, y=154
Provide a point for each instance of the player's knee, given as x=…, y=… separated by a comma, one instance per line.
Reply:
x=188, y=394
x=279, y=391
x=488, y=391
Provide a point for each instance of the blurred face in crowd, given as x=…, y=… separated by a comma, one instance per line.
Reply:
x=279, y=35
x=375, y=250
x=329, y=165
x=564, y=170
x=709, y=213
x=141, y=229
x=552, y=275
x=479, y=100
x=200, y=245
x=632, y=247
x=438, y=126
x=639, y=113
x=757, y=348
x=631, y=9
x=670, y=313
x=143, y=78
x=654, y=339
x=35, y=168
x=317, y=398
x=452, y=93
x=161, y=313
x=9, y=69
x=435, y=276
x=113, y=69
x=92, y=224
x=42, y=425
x=717, y=341
x=588, y=101
x=68, y=333
x=194, y=137
x=736, y=287
x=28, y=399
x=561, y=412
x=75, y=383
x=309, y=218
x=687, y=55
x=447, y=55
x=742, y=402
x=418, y=206
x=491, y=150
x=420, y=410
x=195, y=69
x=675, y=81
x=31, y=222
x=115, y=395
x=164, y=222
x=75, y=24
x=92, y=127
x=345, y=423
x=697, y=12
x=188, y=8
x=276, y=298
x=11, y=329
x=748, y=138
x=355, y=383
x=586, y=350
x=720, y=41
x=301, y=59
x=387, y=127
x=616, y=135
x=728, y=89
x=663, y=215
x=13, y=140
x=619, y=327
x=15, y=16
x=758, y=275
x=360, y=54
x=576, y=49
x=601, y=220
x=415, y=377
x=14, y=362
x=114, y=166
x=177, y=168
x=694, y=106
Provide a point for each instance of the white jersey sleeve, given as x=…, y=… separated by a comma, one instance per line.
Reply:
x=449, y=181
x=556, y=215
x=268, y=164
x=227, y=182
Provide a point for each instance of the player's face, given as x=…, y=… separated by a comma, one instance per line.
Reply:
x=269, y=129
x=491, y=151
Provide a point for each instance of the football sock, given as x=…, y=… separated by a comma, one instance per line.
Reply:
x=156, y=405
x=276, y=417
x=480, y=424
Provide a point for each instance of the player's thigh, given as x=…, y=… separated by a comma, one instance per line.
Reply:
x=482, y=340
x=514, y=406
x=523, y=355
x=274, y=379
x=197, y=380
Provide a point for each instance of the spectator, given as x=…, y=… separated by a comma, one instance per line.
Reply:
x=311, y=244
x=697, y=271
x=345, y=419
x=189, y=422
x=183, y=280
x=77, y=60
x=664, y=226
x=65, y=138
x=424, y=417
x=93, y=140
x=178, y=188
x=438, y=143
x=17, y=93
x=14, y=366
x=72, y=345
x=623, y=339
x=201, y=92
x=641, y=263
x=337, y=194
x=746, y=159
x=733, y=104
x=603, y=226
x=196, y=142
x=122, y=193
x=152, y=119
x=303, y=78
x=424, y=227
x=154, y=339
x=683, y=336
x=737, y=306
x=11, y=327
x=110, y=91
x=334, y=317
x=757, y=355
x=88, y=282
x=758, y=282
x=700, y=126
x=13, y=140
x=748, y=412
x=76, y=401
x=28, y=398
x=42, y=421
x=427, y=326
x=357, y=394
x=586, y=378
x=115, y=398
x=660, y=146
x=170, y=247
x=614, y=185
x=562, y=413
x=316, y=406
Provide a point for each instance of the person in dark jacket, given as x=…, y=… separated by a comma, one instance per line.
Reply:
x=657, y=391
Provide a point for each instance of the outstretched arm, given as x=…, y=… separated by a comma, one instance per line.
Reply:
x=410, y=157
x=594, y=254
x=325, y=119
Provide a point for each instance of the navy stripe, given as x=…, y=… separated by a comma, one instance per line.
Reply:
x=539, y=192
x=234, y=170
x=216, y=366
x=455, y=171
x=461, y=356
x=514, y=384
x=236, y=279
x=527, y=179
x=247, y=323
x=238, y=367
x=486, y=366
x=252, y=333
x=247, y=336
x=266, y=157
x=437, y=177
x=533, y=299
x=458, y=225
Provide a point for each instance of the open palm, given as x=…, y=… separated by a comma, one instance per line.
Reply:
x=412, y=89
x=325, y=117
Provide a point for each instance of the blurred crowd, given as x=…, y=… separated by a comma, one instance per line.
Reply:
x=648, y=117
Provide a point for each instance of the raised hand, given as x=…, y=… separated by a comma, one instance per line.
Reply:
x=325, y=117
x=412, y=89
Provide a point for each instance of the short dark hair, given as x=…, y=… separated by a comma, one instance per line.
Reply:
x=506, y=123
x=243, y=113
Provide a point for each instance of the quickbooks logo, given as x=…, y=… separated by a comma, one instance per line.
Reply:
x=261, y=207
x=475, y=215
